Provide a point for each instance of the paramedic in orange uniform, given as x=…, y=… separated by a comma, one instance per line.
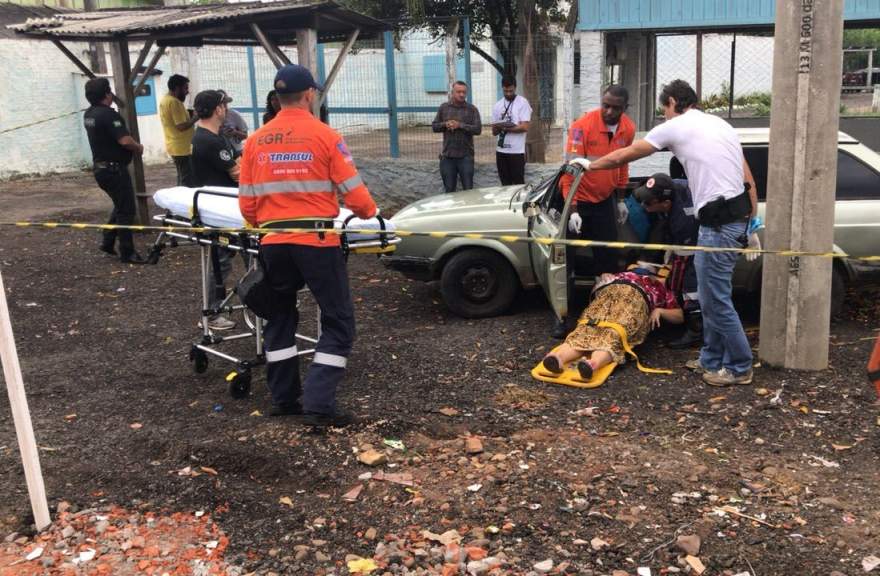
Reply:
x=291, y=171
x=591, y=136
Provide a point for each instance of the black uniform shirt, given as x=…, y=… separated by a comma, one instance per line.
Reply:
x=105, y=127
x=212, y=157
x=682, y=220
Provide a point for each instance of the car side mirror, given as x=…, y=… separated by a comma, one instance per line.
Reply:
x=530, y=209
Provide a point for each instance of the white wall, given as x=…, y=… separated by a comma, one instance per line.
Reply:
x=38, y=82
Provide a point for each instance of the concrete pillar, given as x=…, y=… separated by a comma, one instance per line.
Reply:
x=592, y=71
x=875, y=102
x=796, y=292
x=566, y=74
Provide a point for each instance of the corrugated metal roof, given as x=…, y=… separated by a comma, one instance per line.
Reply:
x=212, y=22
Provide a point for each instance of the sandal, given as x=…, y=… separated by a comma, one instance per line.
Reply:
x=551, y=363
x=585, y=370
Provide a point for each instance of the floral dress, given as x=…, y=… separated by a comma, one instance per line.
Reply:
x=628, y=300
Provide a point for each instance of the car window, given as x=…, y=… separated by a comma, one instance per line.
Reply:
x=756, y=156
x=855, y=179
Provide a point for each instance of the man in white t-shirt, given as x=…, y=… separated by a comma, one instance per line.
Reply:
x=725, y=198
x=510, y=123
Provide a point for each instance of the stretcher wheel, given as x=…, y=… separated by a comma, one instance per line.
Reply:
x=239, y=384
x=199, y=359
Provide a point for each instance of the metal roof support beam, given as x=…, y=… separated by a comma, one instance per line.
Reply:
x=272, y=51
x=150, y=67
x=340, y=59
x=123, y=88
x=140, y=61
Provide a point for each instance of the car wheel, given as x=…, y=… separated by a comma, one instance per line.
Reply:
x=478, y=283
x=838, y=291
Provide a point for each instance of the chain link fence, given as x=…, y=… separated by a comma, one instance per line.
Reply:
x=359, y=102
x=732, y=73
x=745, y=93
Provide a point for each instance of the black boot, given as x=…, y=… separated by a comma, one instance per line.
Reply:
x=693, y=334
x=560, y=330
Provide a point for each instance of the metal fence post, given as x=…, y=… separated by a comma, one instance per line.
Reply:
x=466, y=45
x=390, y=75
x=252, y=73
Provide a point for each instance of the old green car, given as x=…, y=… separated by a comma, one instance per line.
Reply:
x=481, y=277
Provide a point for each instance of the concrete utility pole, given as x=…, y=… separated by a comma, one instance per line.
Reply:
x=796, y=293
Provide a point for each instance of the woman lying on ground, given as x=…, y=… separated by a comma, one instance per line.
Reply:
x=635, y=300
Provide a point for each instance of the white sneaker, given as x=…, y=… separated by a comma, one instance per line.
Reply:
x=219, y=323
x=725, y=377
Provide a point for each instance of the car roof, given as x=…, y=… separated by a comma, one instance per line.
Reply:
x=762, y=136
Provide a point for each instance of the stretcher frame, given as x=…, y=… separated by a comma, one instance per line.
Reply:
x=239, y=380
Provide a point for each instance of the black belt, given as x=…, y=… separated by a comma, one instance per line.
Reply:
x=108, y=165
x=316, y=224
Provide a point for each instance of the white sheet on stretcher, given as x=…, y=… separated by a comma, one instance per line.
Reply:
x=223, y=212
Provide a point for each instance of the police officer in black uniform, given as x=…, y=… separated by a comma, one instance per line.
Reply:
x=112, y=149
x=671, y=200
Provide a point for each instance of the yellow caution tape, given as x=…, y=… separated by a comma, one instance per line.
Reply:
x=507, y=239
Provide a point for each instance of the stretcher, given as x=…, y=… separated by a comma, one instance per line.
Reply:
x=217, y=208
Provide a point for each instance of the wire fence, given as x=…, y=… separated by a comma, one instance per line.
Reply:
x=733, y=73
x=375, y=122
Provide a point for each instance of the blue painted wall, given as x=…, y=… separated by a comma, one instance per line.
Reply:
x=667, y=14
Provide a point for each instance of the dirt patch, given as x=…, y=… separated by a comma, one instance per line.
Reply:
x=779, y=477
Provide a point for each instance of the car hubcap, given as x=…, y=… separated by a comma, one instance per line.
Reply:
x=478, y=283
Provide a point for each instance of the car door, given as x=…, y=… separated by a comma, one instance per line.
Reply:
x=547, y=222
x=857, y=210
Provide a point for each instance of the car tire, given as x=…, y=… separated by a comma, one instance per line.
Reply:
x=838, y=291
x=478, y=283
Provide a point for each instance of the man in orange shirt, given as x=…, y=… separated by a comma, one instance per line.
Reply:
x=593, y=135
x=291, y=172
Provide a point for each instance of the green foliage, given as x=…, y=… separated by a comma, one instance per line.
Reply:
x=758, y=103
x=867, y=38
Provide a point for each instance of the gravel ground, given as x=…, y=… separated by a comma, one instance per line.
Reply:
x=493, y=472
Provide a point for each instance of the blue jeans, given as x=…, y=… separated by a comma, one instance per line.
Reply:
x=724, y=340
x=453, y=168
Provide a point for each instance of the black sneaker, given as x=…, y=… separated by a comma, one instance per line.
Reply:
x=133, y=258
x=687, y=340
x=560, y=330
x=295, y=410
x=585, y=370
x=338, y=420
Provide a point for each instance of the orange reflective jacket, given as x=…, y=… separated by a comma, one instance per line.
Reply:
x=589, y=138
x=874, y=367
x=292, y=168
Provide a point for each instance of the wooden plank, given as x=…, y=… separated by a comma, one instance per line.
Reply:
x=150, y=67
x=24, y=429
x=140, y=61
x=275, y=55
x=340, y=59
x=125, y=91
x=76, y=61
x=307, y=53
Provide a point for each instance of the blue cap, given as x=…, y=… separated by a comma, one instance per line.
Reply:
x=294, y=78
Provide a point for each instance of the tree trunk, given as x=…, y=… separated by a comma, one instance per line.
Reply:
x=451, y=49
x=536, y=147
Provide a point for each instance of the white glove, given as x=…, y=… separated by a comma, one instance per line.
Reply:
x=575, y=223
x=582, y=162
x=755, y=244
x=622, y=213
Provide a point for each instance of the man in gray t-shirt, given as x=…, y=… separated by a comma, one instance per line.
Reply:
x=235, y=128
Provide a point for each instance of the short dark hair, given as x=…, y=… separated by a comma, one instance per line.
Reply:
x=460, y=83
x=508, y=80
x=288, y=99
x=617, y=91
x=96, y=90
x=176, y=80
x=684, y=95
